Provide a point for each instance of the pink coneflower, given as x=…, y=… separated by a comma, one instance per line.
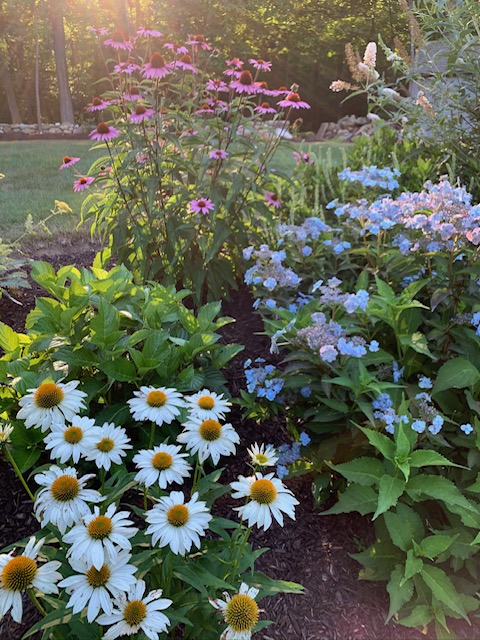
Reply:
x=273, y=200
x=202, y=205
x=104, y=132
x=152, y=33
x=157, y=68
x=118, y=41
x=216, y=85
x=83, y=183
x=68, y=162
x=98, y=104
x=218, y=154
x=263, y=88
x=302, y=157
x=293, y=101
x=140, y=114
x=188, y=132
x=205, y=108
x=235, y=62
x=126, y=67
x=132, y=94
x=199, y=41
x=232, y=73
x=265, y=108
x=262, y=65
x=178, y=49
x=98, y=32
x=245, y=84
x=185, y=63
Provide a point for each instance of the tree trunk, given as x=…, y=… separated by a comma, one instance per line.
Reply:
x=37, y=69
x=124, y=16
x=65, y=97
x=6, y=80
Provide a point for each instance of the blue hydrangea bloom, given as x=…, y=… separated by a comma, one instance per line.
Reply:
x=306, y=392
x=305, y=438
x=466, y=428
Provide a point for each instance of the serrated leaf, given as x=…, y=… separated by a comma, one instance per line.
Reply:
x=428, y=458
x=389, y=491
x=384, y=445
x=355, y=498
x=458, y=373
x=404, y=526
x=365, y=471
x=399, y=594
x=413, y=565
x=120, y=369
x=433, y=546
x=420, y=616
x=418, y=342
x=9, y=339
x=443, y=589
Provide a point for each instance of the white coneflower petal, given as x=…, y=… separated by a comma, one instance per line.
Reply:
x=51, y=402
x=263, y=455
x=178, y=524
x=208, y=437
x=161, y=465
x=18, y=573
x=110, y=445
x=136, y=613
x=240, y=612
x=207, y=405
x=268, y=497
x=71, y=441
x=159, y=405
x=63, y=500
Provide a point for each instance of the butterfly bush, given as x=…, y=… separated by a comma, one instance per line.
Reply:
x=186, y=173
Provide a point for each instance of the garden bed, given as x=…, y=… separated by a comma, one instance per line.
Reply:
x=313, y=551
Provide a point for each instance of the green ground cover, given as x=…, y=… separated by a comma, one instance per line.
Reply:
x=33, y=181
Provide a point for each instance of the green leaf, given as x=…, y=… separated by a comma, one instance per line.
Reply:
x=9, y=339
x=443, y=589
x=355, y=498
x=428, y=458
x=433, y=546
x=380, y=442
x=120, y=369
x=389, y=491
x=418, y=342
x=104, y=326
x=404, y=526
x=457, y=373
x=413, y=566
x=420, y=616
x=365, y=471
x=399, y=590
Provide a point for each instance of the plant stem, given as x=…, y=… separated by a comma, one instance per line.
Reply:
x=152, y=436
x=19, y=474
x=240, y=553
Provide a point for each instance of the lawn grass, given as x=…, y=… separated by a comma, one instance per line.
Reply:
x=33, y=181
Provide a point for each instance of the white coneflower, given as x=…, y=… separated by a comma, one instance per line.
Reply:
x=63, y=500
x=177, y=524
x=161, y=465
x=267, y=497
x=6, y=431
x=136, y=613
x=159, y=405
x=240, y=612
x=51, y=402
x=208, y=437
x=207, y=405
x=263, y=455
x=96, y=587
x=71, y=441
x=18, y=573
x=110, y=445
x=97, y=539
x=370, y=55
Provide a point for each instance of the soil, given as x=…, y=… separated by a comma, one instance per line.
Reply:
x=314, y=550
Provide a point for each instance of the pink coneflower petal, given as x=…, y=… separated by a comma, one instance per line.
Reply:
x=218, y=154
x=245, y=84
x=302, y=157
x=178, y=49
x=118, y=41
x=132, y=94
x=293, y=101
x=205, y=108
x=185, y=63
x=265, y=108
x=98, y=32
x=216, y=85
x=68, y=162
x=199, y=41
x=83, y=183
x=273, y=200
x=262, y=65
x=152, y=33
x=126, y=67
x=140, y=114
x=202, y=205
x=235, y=62
x=104, y=132
x=98, y=104
x=157, y=68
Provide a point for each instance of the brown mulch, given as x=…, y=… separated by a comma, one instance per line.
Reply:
x=313, y=551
